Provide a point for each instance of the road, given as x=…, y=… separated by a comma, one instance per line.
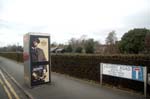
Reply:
x=3, y=90
x=8, y=89
x=64, y=87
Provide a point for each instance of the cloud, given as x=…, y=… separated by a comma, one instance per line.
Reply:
x=65, y=19
x=140, y=19
x=12, y=33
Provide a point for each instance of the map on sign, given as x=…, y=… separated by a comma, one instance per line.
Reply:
x=123, y=71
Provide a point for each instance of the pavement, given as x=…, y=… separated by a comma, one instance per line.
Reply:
x=62, y=86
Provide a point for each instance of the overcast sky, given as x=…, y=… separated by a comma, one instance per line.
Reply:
x=64, y=19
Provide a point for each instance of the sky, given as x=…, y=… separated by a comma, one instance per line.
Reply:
x=66, y=19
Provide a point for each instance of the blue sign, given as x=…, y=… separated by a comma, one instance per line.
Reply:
x=137, y=73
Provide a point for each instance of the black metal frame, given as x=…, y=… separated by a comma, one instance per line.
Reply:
x=40, y=63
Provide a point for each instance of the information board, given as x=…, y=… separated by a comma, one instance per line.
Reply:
x=149, y=78
x=123, y=71
x=138, y=73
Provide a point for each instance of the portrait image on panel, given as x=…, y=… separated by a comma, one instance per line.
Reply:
x=36, y=52
x=39, y=53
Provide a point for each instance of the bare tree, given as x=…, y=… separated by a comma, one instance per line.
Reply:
x=111, y=43
x=111, y=38
x=83, y=45
x=74, y=43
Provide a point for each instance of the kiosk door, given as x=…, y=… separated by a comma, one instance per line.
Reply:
x=40, y=59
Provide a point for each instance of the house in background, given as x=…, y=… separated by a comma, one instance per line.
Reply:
x=53, y=49
x=57, y=50
x=101, y=49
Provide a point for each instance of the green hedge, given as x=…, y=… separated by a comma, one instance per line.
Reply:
x=88, y=66
x=12, y=55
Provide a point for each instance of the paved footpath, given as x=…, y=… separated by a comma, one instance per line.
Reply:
x=64, y=87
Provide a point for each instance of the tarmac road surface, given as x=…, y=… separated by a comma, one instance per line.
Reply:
x=8, y=89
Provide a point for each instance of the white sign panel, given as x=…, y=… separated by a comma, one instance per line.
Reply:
x=123, y=71
x=149, y=78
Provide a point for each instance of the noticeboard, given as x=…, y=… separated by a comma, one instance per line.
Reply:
x=123, y=71
x=149, y=78
x=138, y=73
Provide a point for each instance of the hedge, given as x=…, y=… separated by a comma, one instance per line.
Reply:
x=88, y=66
x=13, y=55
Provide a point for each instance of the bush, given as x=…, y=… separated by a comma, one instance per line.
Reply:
x=12, y=55
x=88, y=67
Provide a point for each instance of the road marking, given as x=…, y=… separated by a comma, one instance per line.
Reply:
x=6, y=90
x=13, y=79
x=9, y=86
